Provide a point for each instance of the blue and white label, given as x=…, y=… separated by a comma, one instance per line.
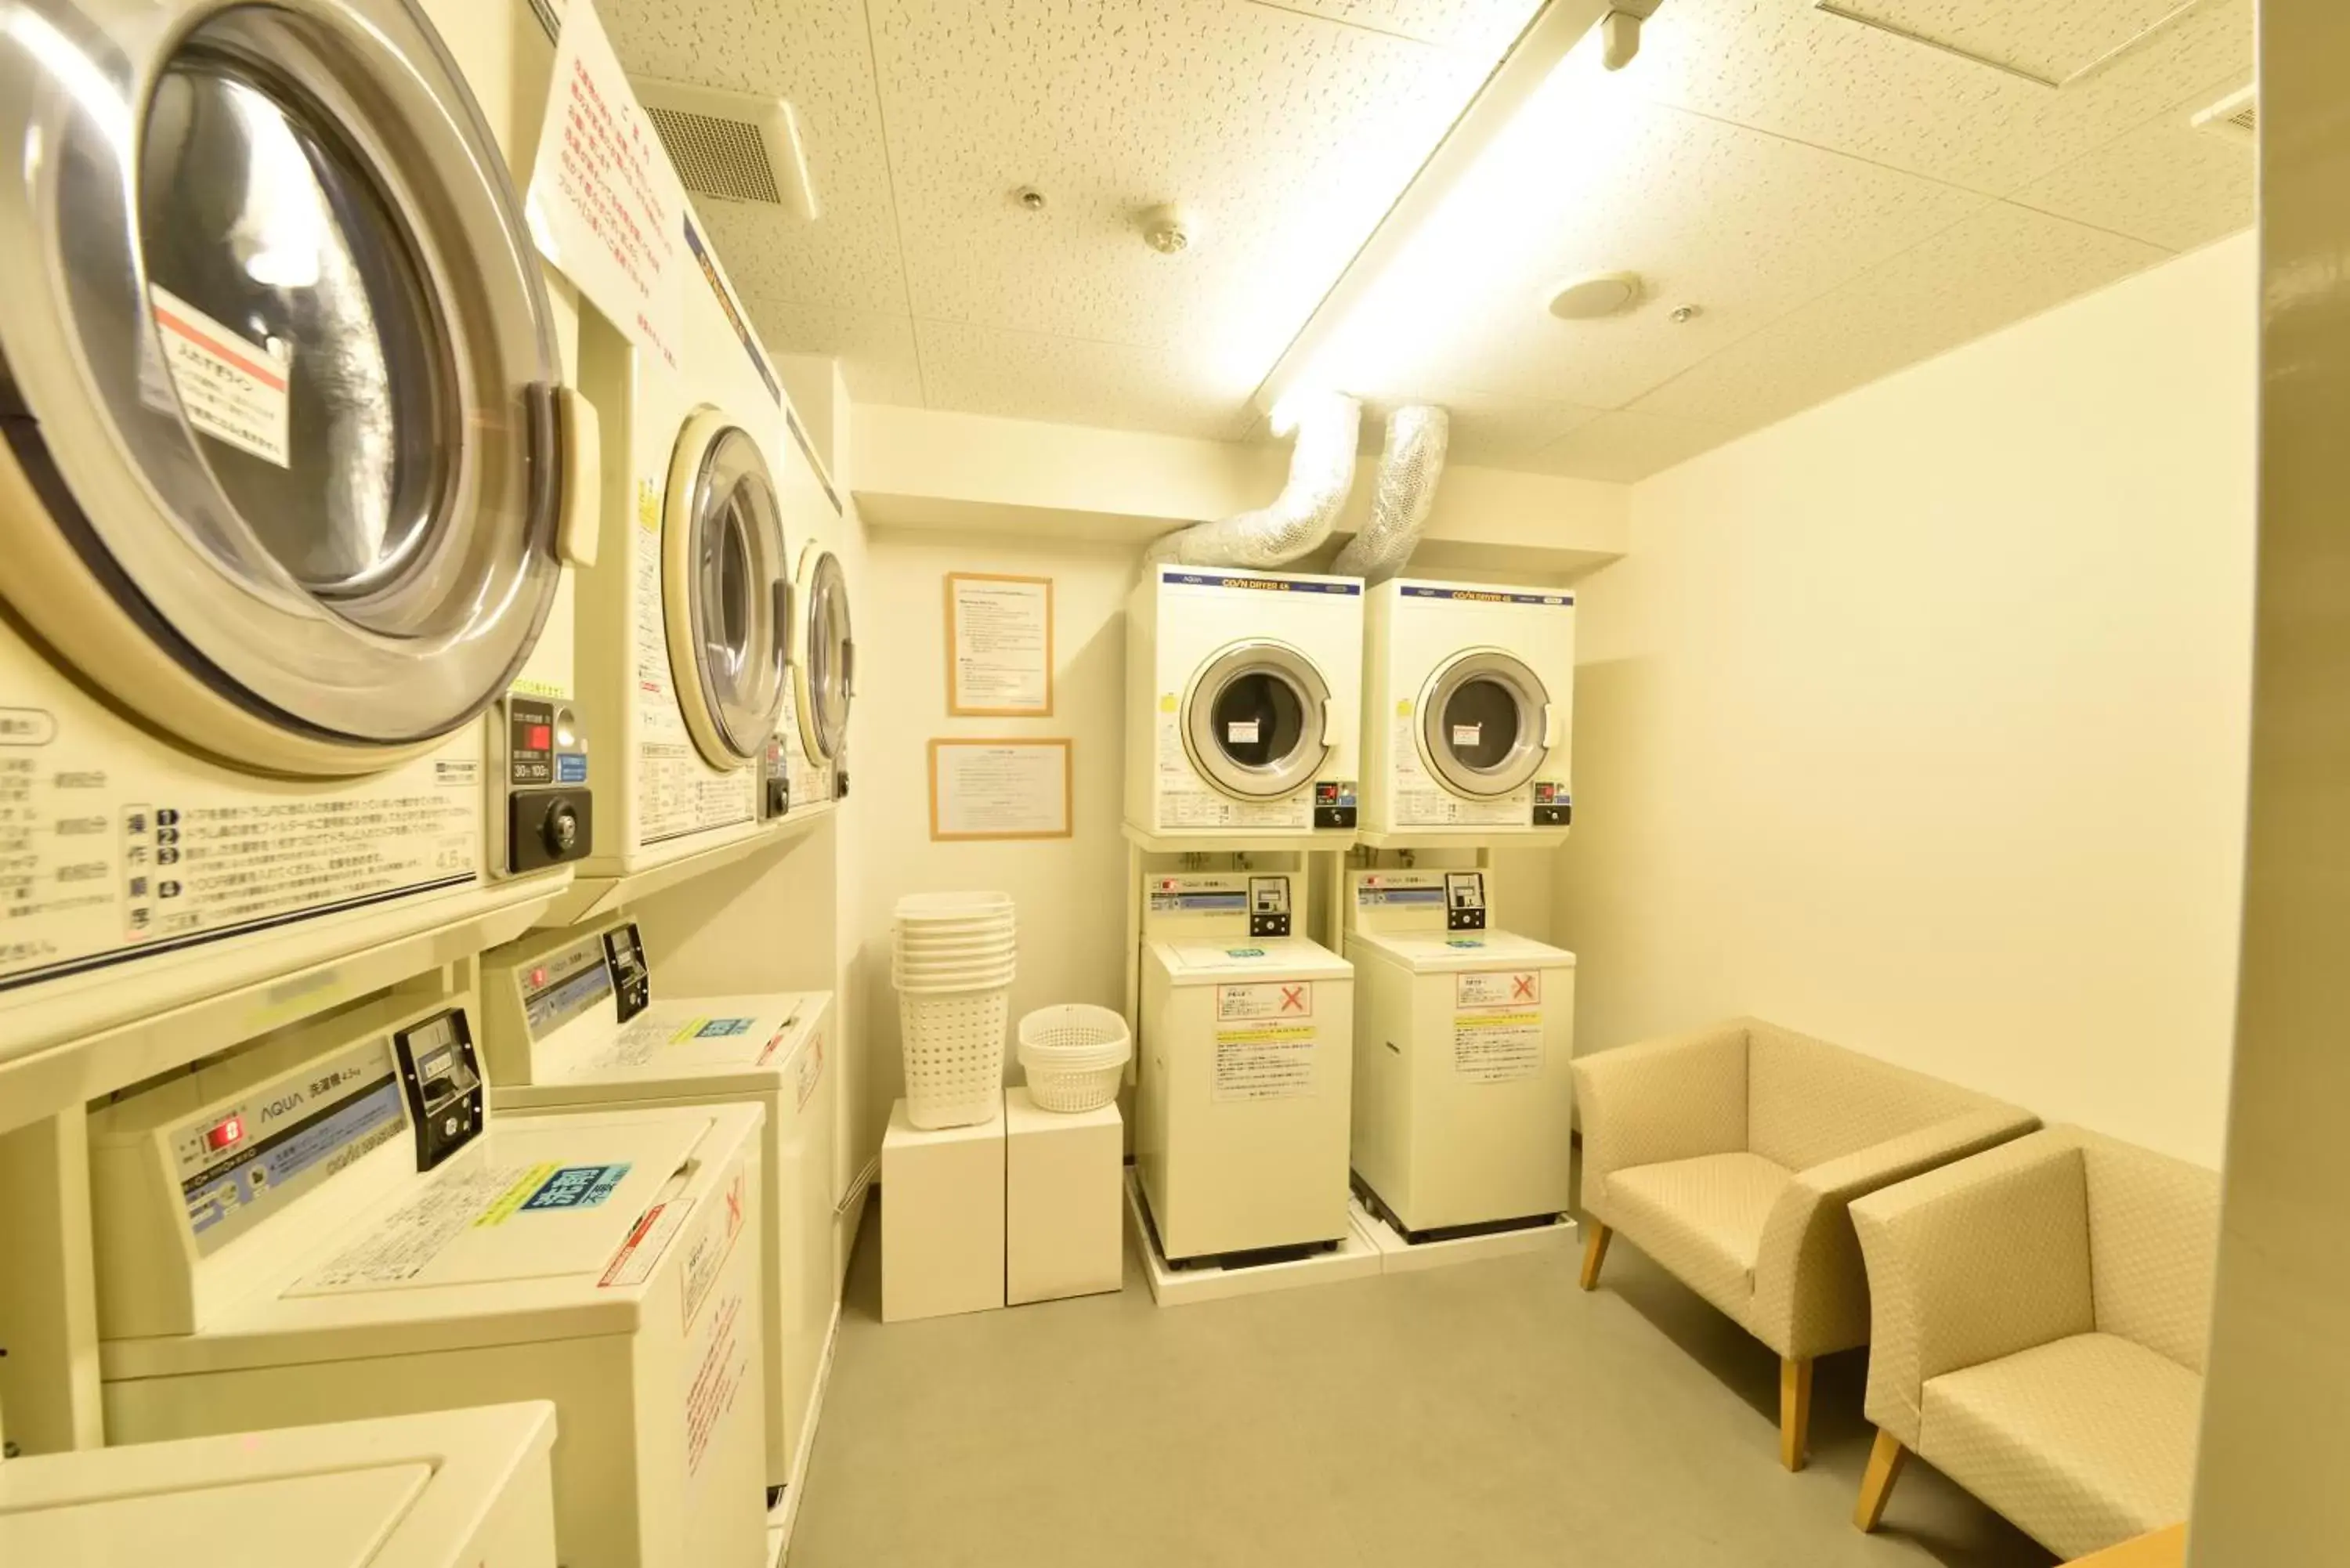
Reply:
x=571, y=768
x=720, y=1028
x=577, y=1187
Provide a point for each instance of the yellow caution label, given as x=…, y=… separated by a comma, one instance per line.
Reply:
x=516, y=1196
x=1167, y=704
x=648, y=506
x=1266, y=1035
x=1403, y=707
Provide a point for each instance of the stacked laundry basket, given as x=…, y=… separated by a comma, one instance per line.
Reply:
x=953, y=961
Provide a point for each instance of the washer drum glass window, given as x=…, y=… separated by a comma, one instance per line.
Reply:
x=280, y=369
x=826, y=673
x=1485, y=724
x=726, y=589
x=1257, y=720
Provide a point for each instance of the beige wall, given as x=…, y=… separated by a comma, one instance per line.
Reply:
x=1918, y=721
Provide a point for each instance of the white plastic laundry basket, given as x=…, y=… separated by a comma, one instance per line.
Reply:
x=1074, y=1055
x=955, y=1054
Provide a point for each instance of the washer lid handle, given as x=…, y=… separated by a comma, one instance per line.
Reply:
x=580, y=463
x=1329, y=723
x=1550, y=725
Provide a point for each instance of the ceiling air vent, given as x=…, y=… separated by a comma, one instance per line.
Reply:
x=734, y=146
x=2236, y=117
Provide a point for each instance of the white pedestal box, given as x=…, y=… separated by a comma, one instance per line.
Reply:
x=1062, y=1173
x=941, y=1219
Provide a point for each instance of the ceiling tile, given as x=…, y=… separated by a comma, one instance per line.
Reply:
x=1786, y=67
x=1626, y=445
x=1488, y=27
x=1742, y=224
x=2166, y=182
x=2052, y=42
x=1494, y=432
x=816, y=54
x=2000, y=266
x=1287, y=137
x=876, y=351
x=1038, y=376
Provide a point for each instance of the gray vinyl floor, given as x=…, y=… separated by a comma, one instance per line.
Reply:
x=1489, y=1414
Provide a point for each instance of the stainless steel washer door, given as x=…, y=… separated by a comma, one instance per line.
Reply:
x=727, y=589
x=827, y=671
x=1257, y=720
x=276, y=358
x=1484, y=723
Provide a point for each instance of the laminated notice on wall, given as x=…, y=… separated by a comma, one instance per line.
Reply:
x=1498, y=1046
x=1267, y=1061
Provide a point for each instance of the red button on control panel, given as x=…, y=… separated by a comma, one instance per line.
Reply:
x=542, y=736
x=227, y=1133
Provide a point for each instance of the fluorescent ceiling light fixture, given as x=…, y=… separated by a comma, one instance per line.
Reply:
x=1493, y=138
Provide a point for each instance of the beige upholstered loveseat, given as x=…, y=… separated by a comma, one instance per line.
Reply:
x=2041, y=1313
x=1729, y=1154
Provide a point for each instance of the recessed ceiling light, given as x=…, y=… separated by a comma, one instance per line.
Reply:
x=1602, y=294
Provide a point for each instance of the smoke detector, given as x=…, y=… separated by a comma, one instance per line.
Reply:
x=1169, y=230
x=1601, y=294
x=735, y=146
x=2236, y=117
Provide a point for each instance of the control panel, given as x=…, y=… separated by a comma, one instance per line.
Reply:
x=632, y=979
x=1398, y=900
x=1268, y=905
x=540, y=755
x=1464, y=900
x=442, y=1079
x=774, y=780
x=242, y=1157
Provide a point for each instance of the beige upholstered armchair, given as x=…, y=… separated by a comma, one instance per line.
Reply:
x=2041, y=1313
x=1729, y=1154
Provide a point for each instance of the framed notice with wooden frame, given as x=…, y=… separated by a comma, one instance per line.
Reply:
x=999, y=646
x=1003, y=787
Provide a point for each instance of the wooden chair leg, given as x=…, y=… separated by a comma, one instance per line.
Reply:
x=1885, y=1462
x=1794, y=1409
x=1595, y=1253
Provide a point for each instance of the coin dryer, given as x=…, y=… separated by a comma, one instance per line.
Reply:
x=571, y=1025
x=1464, y=1041
x=331, y=1224
x=455, y=1488
x=1468, y=696
x=685, y=634
x=1246, y=1053
x=1242, y=696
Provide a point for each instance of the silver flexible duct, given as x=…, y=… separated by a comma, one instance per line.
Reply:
x=1401, y=495
x=1321, y=473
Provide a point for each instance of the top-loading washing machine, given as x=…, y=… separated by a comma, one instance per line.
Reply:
x=331, y=1224
x=1468, y=698
x=455, y=1488
x=1464, y=1047
x=289, y=478
x=1242, y=700
x=1245, y=1062
x=571, y=1023
x=685, y=618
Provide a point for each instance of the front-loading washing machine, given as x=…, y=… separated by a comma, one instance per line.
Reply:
x=455, y=1488
x=1242, y=698
x=330, y=1224
x=288, y=477
x=1243, y=1072
x=685, y=646
x=1464, y=1045
x=1468, y=698
x=571, y=1023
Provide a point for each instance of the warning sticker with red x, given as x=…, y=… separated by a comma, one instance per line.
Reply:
x=1270, y=998
x=1498, y=988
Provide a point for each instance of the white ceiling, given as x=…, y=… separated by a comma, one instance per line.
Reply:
x=1837, y=199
